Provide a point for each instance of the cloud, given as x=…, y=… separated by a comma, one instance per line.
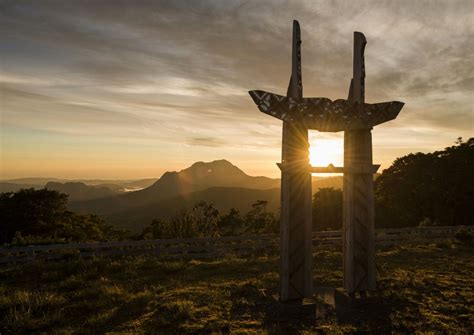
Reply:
x=206, y=141
x=178, y=71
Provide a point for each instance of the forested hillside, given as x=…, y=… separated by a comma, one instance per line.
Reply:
x=428, y=188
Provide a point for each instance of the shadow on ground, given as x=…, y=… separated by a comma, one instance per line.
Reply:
x=370, y=315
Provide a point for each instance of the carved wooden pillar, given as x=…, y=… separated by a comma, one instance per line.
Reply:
x=358, y=191
x=296, y=223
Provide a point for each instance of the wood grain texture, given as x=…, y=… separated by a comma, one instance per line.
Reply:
x=358, y=189
x=295, y=225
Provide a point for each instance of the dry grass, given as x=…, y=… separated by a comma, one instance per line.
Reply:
x=425, y=288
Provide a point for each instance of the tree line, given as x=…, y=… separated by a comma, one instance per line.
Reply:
x=428, y=188
x=417, y=189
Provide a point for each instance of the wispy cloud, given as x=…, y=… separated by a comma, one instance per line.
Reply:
x=177, y=72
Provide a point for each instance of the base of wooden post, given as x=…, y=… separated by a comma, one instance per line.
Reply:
x=295, y=308
x=326, y=303
x=320, y=305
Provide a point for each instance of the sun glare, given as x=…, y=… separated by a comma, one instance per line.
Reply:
x=323, y=152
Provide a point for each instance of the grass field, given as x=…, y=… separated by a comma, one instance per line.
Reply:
x=423, y=289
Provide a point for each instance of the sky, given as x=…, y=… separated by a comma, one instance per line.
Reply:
x=131, y=89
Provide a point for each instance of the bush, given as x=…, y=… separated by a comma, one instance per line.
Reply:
x=20, y=240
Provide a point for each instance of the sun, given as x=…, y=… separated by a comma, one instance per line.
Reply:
x=323, y=152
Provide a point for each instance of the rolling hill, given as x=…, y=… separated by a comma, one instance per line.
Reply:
x=14, y=187
x=80, y=191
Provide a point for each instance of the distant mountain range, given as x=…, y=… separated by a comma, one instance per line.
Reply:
x=197, y=177
x=13, y=185
x=79, y=191
x=7, y=186
x=219, y=182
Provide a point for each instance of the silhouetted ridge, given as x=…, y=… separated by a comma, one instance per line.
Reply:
x=199, y=176
x=219, y=169
x=170, y=184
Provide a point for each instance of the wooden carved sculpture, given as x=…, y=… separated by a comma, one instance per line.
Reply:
x=356, y=118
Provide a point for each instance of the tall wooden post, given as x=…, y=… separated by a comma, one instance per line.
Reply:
x=296, y=223
x=358, y=190
x=356, y=118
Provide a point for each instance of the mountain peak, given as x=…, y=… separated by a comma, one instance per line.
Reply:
x=217, y=164
x=218, y=168
x=202, y=175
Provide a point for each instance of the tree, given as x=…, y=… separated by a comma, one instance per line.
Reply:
x=205, y=218
x=182, y=224
x=31, y=212
x=36, y=215
x=258, y=220
x=327, y=209
x=434, y=187
x=231, y=223
x=157, y=229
